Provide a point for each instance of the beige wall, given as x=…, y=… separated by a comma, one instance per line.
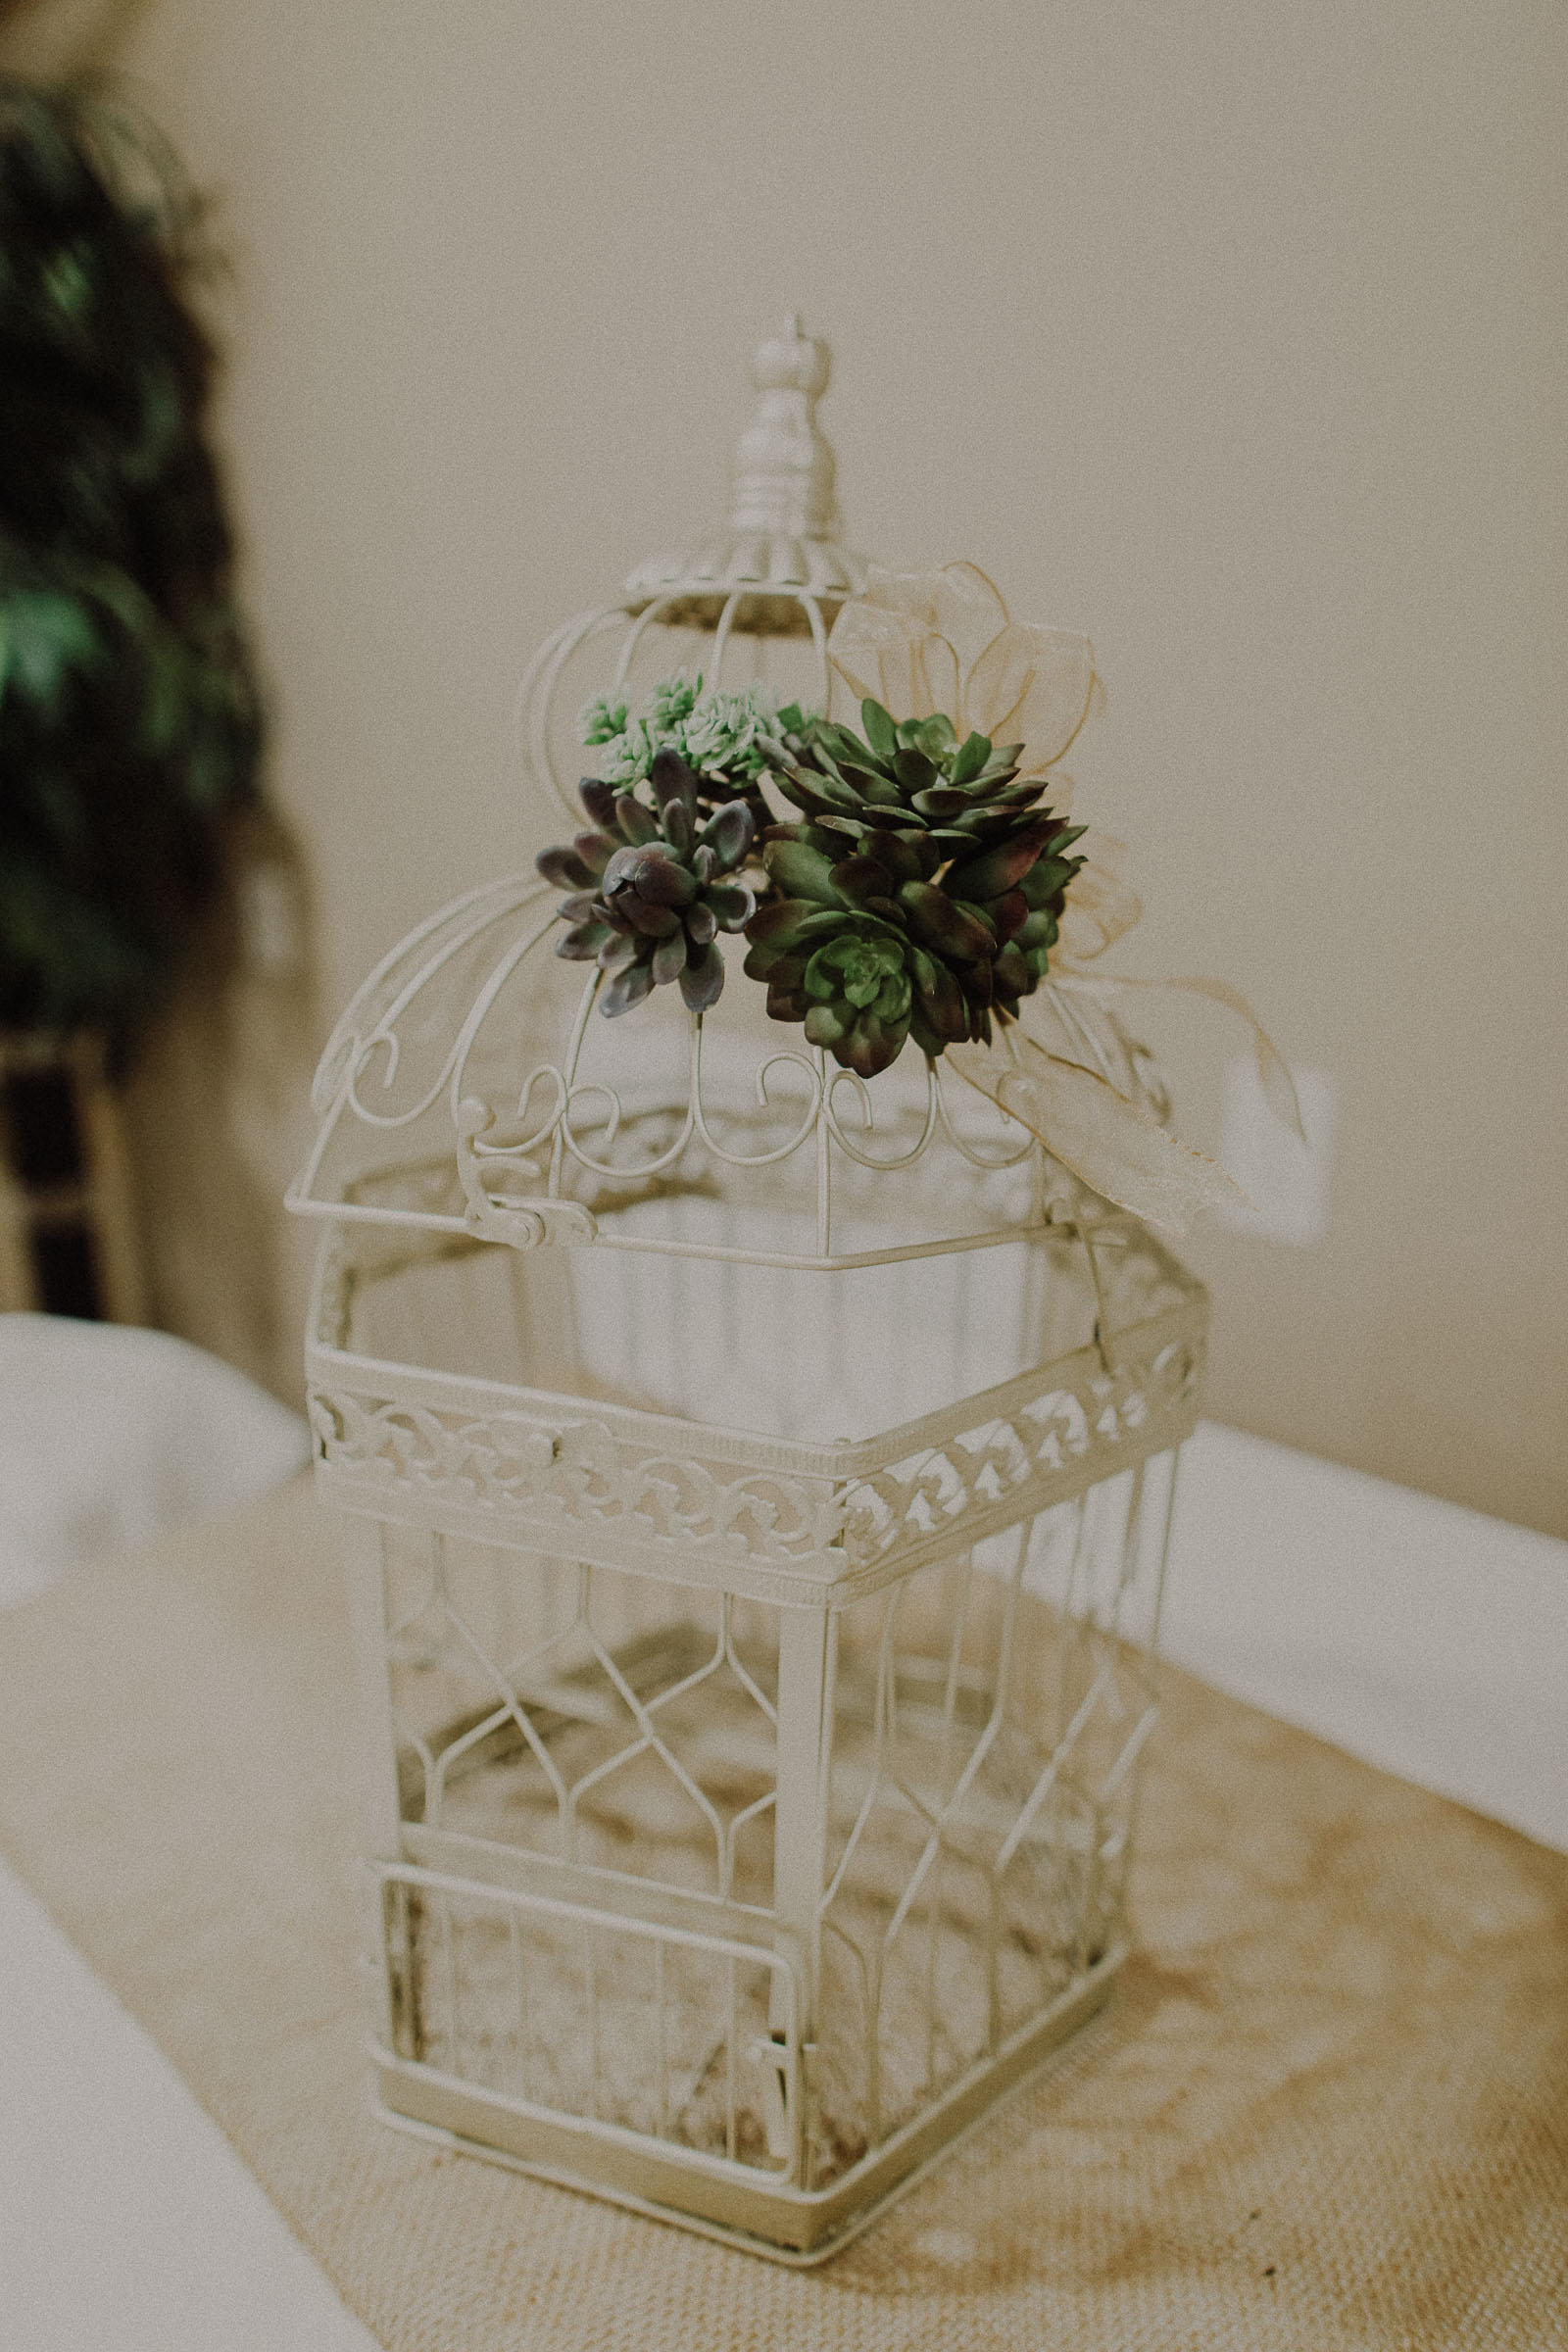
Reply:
x=1232, y=333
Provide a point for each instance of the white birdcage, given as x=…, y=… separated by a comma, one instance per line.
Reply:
x=754, y=1485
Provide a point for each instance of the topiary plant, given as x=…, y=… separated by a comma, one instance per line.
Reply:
x=131, y=728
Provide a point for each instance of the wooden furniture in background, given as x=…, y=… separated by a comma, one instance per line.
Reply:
x=68, y=1231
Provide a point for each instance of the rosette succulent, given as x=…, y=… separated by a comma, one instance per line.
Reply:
x=648, y=888
x=923, y=891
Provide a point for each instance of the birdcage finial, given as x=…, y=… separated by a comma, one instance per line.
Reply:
x=783, y=526
x=783, y=465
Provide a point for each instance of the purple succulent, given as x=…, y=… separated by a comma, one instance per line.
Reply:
x=648, y=894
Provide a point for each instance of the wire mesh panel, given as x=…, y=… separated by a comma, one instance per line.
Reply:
x=599, y=1719
x=605, y=1919
x=990, y=1712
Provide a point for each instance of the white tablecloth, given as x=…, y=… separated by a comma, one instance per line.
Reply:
x=111, y=1435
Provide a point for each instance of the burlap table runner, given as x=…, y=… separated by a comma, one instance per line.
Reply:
x=1327, y=2109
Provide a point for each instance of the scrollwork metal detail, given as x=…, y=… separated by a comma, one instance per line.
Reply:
x=552, y=1479
x=1082, y=1429
x=541, y=1480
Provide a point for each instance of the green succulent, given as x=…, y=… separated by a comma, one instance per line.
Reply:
x=921, y=893
x=911, y=774
x=842, y=954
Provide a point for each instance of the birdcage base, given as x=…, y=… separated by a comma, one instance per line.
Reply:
x=784, y=2222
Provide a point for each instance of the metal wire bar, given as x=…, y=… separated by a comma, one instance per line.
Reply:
x=510, y=1710
x=731, y=2038
x=650, y=1740
x=519, y=1986
x=662, y=2031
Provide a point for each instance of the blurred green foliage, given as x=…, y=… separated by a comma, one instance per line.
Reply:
x=130, y=726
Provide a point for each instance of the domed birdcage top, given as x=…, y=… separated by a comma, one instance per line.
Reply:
x=468, y=1089
x=751, y=602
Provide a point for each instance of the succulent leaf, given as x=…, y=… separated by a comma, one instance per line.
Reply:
x=778, y=921
x=1001, y=868
x=565, y=868
x=801, y=871
x=1007, y=914
x=657, y=878
x=674, y=783
x=624, y=947
x=599, y=800
x=941, y=801
x=970, y=758
x=880, y=732
x=582, y=943
x=668, y=958
x=679, y=828
x=825, y=1025
x=863, y=880
x=702, y=982
x=728, y=832
x=636, y=823
x=602, y=721
x=915, y=771
x=940, y=923
x=630, y=983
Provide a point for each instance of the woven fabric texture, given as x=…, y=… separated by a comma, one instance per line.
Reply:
x=1327, y=2109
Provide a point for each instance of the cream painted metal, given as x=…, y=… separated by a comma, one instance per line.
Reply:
x=756, y=1498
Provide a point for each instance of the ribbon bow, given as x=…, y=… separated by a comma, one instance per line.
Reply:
x=922, y=642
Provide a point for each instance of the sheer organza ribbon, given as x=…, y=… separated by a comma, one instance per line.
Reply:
x=920, y=642
x=1106, y=1137
x=1101, y=1131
